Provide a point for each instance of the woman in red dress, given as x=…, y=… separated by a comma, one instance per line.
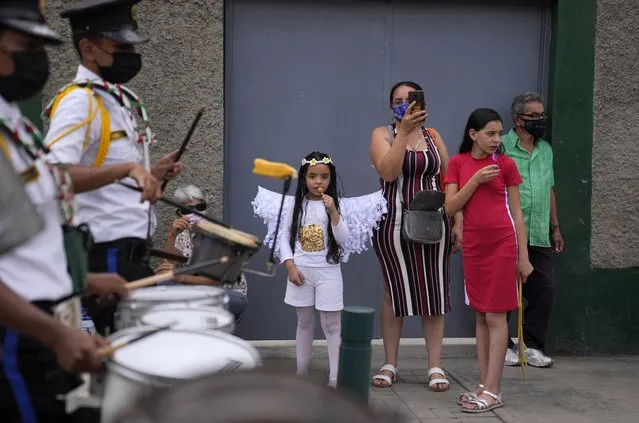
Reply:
x=484, y=184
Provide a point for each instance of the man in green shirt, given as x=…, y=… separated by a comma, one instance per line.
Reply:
x=534, y=159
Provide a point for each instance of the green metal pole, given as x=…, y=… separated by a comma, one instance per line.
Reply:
x=355, y=350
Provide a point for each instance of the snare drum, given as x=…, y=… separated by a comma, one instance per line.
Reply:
x=212, y=240
x=190, y=318
x=166, y=358
x=140, y=300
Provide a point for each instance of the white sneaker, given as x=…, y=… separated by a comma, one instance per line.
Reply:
x=536, y=358
x=512, y=358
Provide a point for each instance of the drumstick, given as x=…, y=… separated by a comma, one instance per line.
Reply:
x=167, y=276
x=180, y=206
x=107, y=351
x=185, y=142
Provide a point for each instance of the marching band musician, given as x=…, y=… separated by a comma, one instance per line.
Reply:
x=97, y=121
x=39, y=310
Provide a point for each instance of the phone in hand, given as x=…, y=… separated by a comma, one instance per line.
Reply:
x=418, y=98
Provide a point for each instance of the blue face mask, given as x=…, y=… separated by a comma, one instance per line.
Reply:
x=399, y=111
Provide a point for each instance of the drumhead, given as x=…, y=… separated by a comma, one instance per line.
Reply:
x=190, y=318
x=174, y=293
x=182, y=354
x=233, y=235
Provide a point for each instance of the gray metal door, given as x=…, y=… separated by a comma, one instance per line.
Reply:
x=315, y=75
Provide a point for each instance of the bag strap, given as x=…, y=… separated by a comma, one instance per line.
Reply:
x=105, y=130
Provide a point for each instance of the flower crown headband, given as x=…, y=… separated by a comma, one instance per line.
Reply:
x=313, y=162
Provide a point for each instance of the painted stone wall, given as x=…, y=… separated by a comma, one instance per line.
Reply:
x=615, y=149
x=595, y=308
x=183, y=70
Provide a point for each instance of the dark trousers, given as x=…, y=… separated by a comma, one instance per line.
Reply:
x=125, y=257
x=31, y=379
x=539, y=293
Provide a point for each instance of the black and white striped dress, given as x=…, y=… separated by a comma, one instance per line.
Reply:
x=416, y=275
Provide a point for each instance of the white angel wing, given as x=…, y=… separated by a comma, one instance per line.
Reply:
x=362, y=215
x=266, y=205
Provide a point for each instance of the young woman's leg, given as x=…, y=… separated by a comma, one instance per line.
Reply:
x=498, y=342
x=433, y=329
x=391, y=332
x=304, y=337
x=331, y=325
x=483, y=346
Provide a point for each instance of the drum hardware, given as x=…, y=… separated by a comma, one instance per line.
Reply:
x=167, y=276
x=167, y=256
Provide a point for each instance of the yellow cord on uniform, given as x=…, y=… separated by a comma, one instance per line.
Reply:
x=520, y=330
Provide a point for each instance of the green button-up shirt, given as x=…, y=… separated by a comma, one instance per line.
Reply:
x=538, y=177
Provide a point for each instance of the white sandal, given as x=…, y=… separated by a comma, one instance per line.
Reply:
x=389, y=381
x=467, y=396
x=482, y=404
x=442, y=380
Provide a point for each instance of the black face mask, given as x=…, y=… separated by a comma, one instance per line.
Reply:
x=199, y=207
x=124, y=68
x=30, y=73
x=536, y=128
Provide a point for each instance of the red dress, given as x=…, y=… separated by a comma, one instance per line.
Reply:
x=489, y=245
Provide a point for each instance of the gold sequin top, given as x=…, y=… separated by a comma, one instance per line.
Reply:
x=312, y=237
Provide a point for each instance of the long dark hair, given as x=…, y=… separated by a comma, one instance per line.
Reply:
x=413, y=85
x=335, y=251
x=477, y=120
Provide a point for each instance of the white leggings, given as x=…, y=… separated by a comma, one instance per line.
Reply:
x=331, y=325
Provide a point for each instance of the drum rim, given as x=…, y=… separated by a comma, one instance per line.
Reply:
x=200, y=288
x=181, y=307
x=228, y=234
x=126, y=372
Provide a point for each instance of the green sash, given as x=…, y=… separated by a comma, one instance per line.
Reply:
x=77, y=244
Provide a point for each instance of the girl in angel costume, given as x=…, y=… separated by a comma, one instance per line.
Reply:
x=319, y=231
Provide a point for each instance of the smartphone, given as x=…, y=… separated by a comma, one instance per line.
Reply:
x=418, y=98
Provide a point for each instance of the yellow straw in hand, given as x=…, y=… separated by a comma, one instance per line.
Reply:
x=520, y=330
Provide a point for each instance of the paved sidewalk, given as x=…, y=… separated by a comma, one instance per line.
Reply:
x=580, y=390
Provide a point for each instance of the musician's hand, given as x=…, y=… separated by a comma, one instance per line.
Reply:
x=167, y=167
x=295, y=276
x=149, y=184
x=164, y=267
x=77, y=351
x=179, y=225
x=107, y=285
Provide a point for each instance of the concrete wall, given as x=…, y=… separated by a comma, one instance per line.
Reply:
x=183, y=70
x=615, y=151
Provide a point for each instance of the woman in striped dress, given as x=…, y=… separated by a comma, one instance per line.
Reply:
x=416, y=276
